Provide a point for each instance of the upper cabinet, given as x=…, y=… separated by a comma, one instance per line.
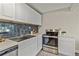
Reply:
x=8, y=10
x=19, y=12
x=27, y=14
x=0, y=9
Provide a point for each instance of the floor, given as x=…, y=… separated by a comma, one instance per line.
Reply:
x=47, y=52
x=44, y=53
x=50, y=52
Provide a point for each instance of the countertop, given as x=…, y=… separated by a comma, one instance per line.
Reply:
x=7, y=44
x=24, y=35
x=67, y=36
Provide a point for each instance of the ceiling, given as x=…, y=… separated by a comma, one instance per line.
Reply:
x=47, y=7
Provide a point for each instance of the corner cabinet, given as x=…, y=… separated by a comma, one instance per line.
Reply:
x=27, y=14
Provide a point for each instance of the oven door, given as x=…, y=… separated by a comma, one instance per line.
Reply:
x=50, y=41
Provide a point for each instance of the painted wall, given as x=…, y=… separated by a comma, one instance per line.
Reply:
x=66, y=19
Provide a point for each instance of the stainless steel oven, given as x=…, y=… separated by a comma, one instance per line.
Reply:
x=50, y=41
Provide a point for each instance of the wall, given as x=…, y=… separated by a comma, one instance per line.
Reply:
x=66, y=19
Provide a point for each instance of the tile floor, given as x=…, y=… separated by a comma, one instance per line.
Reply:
x=50, y=52
x=47, y=52
x=44, y=53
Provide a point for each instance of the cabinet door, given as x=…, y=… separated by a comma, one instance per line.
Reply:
x=27, y=14
x=33, y=46
x=0, y=9
x=66, y=46
x=21, y=12
x=9, y=9
x=39, y=42
x=34, y=18
x=28, y=47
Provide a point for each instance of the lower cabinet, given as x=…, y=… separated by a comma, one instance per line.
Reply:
x=30, y=47
x=39, y=43
x=66, y=46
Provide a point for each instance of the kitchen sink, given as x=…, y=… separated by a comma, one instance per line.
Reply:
x=21, y=38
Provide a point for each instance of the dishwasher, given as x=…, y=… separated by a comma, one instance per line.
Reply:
x=12, y=51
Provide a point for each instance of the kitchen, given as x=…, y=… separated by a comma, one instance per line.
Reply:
x=29, y=29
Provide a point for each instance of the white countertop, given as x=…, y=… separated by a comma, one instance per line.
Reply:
x=67, y=36
x=7, y=44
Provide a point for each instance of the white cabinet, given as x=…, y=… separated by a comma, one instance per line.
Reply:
x=0, y=9
x=39, y=42
x=27, y=47
x=27, y=14
x=66, y=46
x=21, y=12
x=8, y=10
x=30, y=47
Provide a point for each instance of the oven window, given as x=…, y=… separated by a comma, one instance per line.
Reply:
x=50, y=41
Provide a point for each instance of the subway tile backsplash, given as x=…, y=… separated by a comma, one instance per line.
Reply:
x=12, y=29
